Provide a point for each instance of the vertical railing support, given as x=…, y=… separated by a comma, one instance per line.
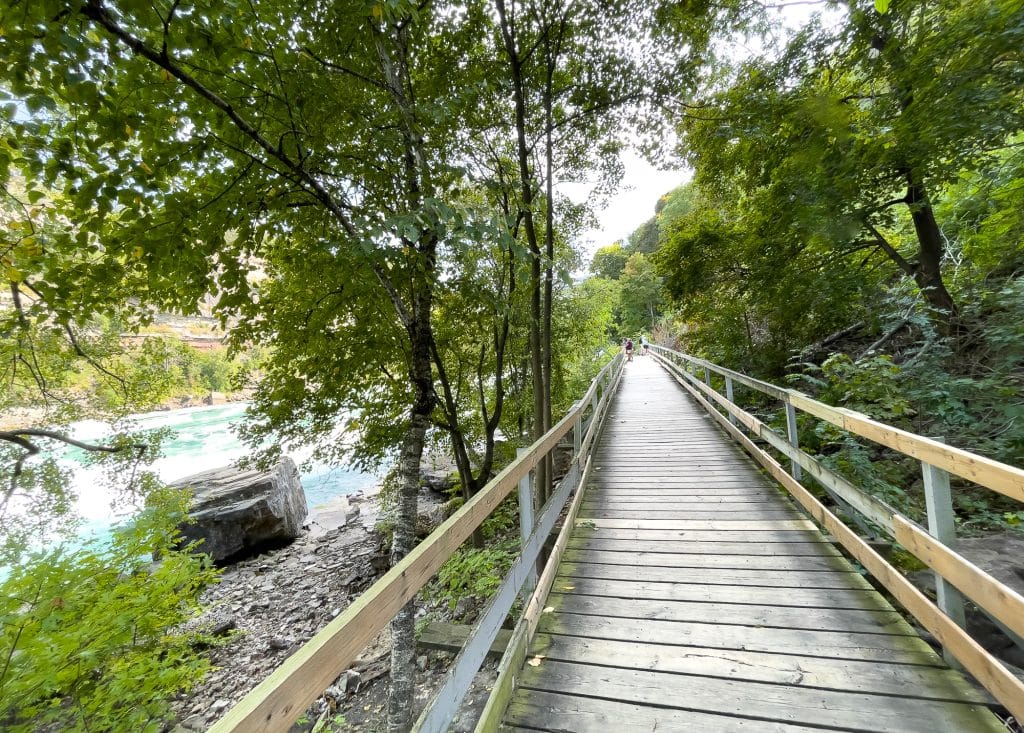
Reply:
x=794, y=439
x=526, y=523
x=707, y=376
x=939, y=505
x=728, y=396
x=577, y=438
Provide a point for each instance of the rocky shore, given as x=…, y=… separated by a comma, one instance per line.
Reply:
x=270, y=604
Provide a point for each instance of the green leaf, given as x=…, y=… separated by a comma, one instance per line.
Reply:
x=882, y=6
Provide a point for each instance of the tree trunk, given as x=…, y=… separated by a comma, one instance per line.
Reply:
x=416, y=318
x=549, y=251
x=403, y=626
x=931, y=248
x=508, y=32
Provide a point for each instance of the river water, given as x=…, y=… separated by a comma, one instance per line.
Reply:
x=203, y=439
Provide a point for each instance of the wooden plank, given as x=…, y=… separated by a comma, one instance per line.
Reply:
x=861, y=621
x=540, y=710
x=698, y=535
x=851, y=675
x=645, y=556
x=714, y=576
x=781, y=703
x=887, y=648
x=796, y=597
x=681, y=485
x=690, y=547
x=722, y=525
x=452, y=637
x=725, y=514
x=597, y=493
x=1004, y=603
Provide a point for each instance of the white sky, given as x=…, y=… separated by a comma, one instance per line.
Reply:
x=633, y=203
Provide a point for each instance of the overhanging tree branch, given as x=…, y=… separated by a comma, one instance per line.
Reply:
x=21, y=438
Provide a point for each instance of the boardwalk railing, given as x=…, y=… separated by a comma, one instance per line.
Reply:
x=954, y=573
x=281, y=698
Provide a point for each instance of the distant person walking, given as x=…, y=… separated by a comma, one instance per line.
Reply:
x=629, y=349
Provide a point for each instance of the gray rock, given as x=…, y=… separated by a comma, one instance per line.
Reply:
x=194, y=722
x=430, y=518
x=238, y=512
x=465, y=606
x=215, y=398
x=437, y=481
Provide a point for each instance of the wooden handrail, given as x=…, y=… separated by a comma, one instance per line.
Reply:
x=999, y=477
x=279, y=700
x=996, y=598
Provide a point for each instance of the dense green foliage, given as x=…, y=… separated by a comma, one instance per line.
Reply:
x=90, y=637
x=853, y=223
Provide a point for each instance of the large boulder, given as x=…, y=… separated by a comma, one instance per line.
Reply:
x=237, y=512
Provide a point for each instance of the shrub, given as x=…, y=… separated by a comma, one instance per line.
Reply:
x=90, y=638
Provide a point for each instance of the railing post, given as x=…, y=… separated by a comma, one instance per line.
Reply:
x=794, y=439
x=526, y=522
x=707, y=377
x=577, y=435
x=939, y=505
x=728, y=396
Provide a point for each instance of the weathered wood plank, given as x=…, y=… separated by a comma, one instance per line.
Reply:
x=888, y=648
x=713, y=576
x=564, y=598
x=539, y=710
x=586, y=531
x=851, y=675
x=686, y=495
x=626, y=555
x=696, y=547
x=781, y=703
x=452, y=637
x=774, y=512
x=723, y=525
x=797, y=597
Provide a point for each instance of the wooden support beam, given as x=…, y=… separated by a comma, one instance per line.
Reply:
x=452, y=637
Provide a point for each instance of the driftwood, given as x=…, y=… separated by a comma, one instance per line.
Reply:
x=820, y=346
x=885, y=337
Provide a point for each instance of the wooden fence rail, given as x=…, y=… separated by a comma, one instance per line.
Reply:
x=283, y=696
x=953, y=571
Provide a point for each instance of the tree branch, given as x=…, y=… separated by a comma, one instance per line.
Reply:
x=96, y=11
x=895, y=256
x=20, y=438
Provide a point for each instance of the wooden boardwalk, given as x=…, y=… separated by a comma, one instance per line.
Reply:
x=694, y=597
